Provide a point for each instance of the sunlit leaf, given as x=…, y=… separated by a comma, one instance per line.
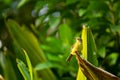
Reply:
x=80, y=75
x=29, y=65
x=23, y=69
x=89, y=49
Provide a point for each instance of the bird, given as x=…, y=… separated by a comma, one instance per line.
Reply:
x=77, y=46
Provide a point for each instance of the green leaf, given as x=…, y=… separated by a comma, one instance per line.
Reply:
x=89, y=50
x=112, y=58
x=70, y=1
x=82, y=12
x=65, y=34
x=45, y=65
x=53, y=45
x=26, y=40
x=22, y=2
x=102, y=52
x=96, y=6
x=7, y=67
x=29, y=64
x=39, y=5
x=23, y=69
x=54, y=19
x=115, y=28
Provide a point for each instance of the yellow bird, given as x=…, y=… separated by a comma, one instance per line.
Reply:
x=77, y=47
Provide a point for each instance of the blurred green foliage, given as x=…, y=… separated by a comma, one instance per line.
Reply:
x=48, y=27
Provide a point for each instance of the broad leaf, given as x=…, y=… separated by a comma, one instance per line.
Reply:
x=26, y=40
x=92, y=72
x=89, y=49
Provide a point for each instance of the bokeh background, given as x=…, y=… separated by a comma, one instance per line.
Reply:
x=46, y=29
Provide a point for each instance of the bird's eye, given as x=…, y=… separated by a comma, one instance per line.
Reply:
x=79, y=39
